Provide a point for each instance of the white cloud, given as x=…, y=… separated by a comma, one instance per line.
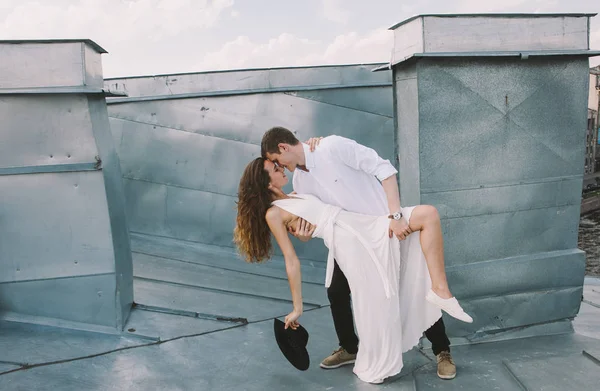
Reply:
x=284, y=50
x=477, y=6
x=335, y=11
x=142, y=36
x=375, y=46
x=289, y=50
x=108, y=21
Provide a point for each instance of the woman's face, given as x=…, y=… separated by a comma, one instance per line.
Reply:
x=276, y=173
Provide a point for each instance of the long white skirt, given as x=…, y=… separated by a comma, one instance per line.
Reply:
x=387, y=327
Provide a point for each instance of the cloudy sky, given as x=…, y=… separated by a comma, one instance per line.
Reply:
x=145, y=37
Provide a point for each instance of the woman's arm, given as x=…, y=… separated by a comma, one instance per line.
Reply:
x=292, y=263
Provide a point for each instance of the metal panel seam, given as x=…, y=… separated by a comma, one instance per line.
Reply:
x=181, y=130
x=244, y=92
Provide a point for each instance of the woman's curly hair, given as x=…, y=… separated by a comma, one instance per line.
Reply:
x=252, y=235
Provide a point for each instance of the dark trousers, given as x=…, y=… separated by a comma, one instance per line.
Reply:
x=341, y=310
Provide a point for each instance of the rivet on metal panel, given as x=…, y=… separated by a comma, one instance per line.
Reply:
x=69, y=156
x=51, y=156
x=99, y=293
x=76, y=185
x=98, y=162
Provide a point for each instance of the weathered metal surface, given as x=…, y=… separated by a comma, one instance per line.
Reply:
x=199, y=353
x=246, y=81
x=505, y=130
x=157, y=325
x=408, y=40
x=39, y=344
x=219, y=304
x=205, y=361
x=496, y=145
x=61, y=90
x=523, y=54
x=549, y=373
x=65, y=64
x=56, y=244
x=545, y=271
x=64, y=244
x=81, y=299
x=46, y=131
x=77, y=167
x=488, y=33
x=406, y=114
x=92, y=71
x=148, y=267
x=224, y=258
x=116, y=203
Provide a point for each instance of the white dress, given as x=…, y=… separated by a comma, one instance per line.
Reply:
x=388, y=279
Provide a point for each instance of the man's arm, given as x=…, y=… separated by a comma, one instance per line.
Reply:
x=366, y=159
x=400, y=227
x=361, y=158
x=390, y=186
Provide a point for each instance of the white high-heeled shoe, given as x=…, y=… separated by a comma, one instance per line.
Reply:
x=450, y=305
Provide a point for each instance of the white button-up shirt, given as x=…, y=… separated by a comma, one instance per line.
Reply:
x=345, y=174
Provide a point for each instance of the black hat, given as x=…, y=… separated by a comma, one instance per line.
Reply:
x=292, y=344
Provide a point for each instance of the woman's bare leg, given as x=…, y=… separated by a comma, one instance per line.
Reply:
x=426, y=219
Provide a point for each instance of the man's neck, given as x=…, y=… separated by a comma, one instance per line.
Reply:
x=301, y=155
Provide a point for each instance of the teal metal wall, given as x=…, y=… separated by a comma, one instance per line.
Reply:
x=184, y=140
x=65, y=254
x=495, y=139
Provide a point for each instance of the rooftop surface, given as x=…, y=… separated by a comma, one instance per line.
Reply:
x=203, y=321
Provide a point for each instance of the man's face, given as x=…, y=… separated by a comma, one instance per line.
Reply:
x=284, y=158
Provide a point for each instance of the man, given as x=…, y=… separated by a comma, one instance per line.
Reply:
x=344, y=173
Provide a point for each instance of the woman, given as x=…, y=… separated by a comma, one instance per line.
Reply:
x=390, y=284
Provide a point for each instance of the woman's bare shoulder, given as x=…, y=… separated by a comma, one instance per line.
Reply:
x=273, y=213
x=276, y=214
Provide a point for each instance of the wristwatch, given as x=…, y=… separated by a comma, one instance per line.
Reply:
x=396, y=216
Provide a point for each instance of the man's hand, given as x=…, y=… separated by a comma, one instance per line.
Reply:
x=399, y=228
x=304, y=230
x=313, y=142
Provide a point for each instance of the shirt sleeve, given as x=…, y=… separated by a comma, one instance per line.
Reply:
x=362, y=158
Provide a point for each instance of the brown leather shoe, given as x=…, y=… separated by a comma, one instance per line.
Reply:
x=338, y=358
x=446, y=368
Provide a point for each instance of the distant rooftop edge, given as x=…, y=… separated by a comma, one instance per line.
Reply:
x=93, y=44
x=572, y=15
x=260, y=69
x=524, y=54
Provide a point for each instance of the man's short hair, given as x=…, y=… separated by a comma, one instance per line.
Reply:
x=275, y=136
